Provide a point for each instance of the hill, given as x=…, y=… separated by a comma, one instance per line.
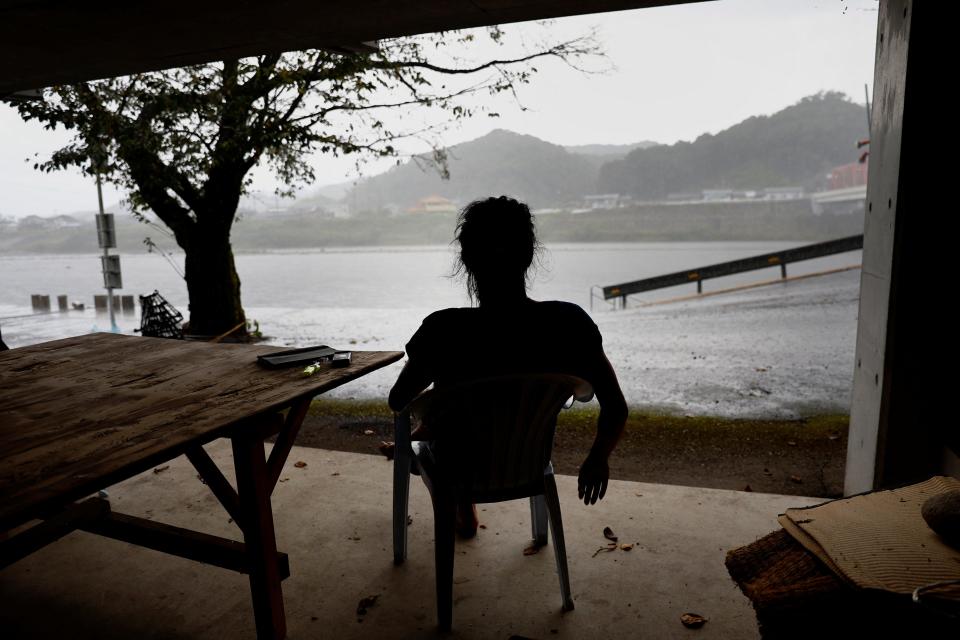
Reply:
x=609, y=151
x=501, y=162
x=796, y=146
x=793, y=147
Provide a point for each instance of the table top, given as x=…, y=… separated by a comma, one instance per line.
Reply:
x=79, y=414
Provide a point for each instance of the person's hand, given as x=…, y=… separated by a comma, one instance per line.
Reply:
x=592, y=483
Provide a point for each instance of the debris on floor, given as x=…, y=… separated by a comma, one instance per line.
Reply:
x=693, y=620
x=364, y=604
x=607, y=549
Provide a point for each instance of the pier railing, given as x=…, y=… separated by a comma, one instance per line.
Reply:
x=765, y=261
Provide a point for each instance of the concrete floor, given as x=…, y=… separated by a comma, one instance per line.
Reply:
x=333, y=519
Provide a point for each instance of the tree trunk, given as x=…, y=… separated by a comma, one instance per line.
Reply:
x=213, y=284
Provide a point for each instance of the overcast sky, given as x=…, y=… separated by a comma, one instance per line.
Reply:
x=677, y=72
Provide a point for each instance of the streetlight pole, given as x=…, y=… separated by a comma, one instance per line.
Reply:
x=106, y=236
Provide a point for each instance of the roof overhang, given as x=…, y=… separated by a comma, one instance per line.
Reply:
x=47, y=42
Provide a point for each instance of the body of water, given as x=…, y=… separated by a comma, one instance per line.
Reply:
x=780, y=350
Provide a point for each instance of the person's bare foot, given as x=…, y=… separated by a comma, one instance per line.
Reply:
x=467, y=521
x=387, y=448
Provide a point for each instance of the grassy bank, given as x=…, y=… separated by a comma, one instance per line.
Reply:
x=799, y=457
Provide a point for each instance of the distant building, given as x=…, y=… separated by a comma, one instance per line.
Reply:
x=604, y=201
x=717, y=195
x=434, y=204
x=849, y=175
x=847, y=192
x=783, y=193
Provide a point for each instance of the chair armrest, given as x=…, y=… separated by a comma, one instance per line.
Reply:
x=402, y=419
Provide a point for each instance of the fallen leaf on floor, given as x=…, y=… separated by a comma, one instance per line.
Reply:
x=626, y=546
x=366, y=603
x=161, y=469
x=368, y=432
x=284, y=479
x=607, y=549
x=335, y=473
x=355, y=538
x=761, y=369
x=609, y=534
x=692, y=620
x=299, y=464
x=639, y=495
x=483, y=526
x=531, y=550
x=796, y=479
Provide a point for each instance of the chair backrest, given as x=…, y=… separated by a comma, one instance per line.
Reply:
x=494, y=436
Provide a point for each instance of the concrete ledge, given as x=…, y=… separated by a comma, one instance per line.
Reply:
x=333, y=519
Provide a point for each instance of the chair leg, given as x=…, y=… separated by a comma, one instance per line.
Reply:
x=401, y=502
x=538, y=520
x=556, y=530
x=444, y=521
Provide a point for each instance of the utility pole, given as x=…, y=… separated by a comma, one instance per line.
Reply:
x=107, y=238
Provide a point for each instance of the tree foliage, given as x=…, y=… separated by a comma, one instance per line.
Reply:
x=181, y=143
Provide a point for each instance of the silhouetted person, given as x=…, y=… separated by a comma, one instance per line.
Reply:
x=510, y=333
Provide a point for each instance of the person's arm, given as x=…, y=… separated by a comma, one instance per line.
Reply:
x=412, y=380
x=595, y=472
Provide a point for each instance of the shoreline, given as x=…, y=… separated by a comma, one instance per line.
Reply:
x=804, y=456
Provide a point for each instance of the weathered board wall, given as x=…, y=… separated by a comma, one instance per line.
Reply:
x=901, y=429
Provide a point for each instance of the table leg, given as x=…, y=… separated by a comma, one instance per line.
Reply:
x=253, y=487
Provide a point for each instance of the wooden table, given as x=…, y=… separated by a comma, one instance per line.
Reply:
x=80, y=414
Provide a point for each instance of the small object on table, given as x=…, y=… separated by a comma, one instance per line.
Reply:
x=293, y=357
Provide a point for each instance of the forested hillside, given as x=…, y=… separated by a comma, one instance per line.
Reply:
x=501, y=162
x=793, y=147
x=796, y=146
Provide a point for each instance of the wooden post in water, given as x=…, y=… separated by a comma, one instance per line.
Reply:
x=39, y=303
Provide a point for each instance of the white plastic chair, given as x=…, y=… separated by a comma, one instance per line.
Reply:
x=493, y=441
